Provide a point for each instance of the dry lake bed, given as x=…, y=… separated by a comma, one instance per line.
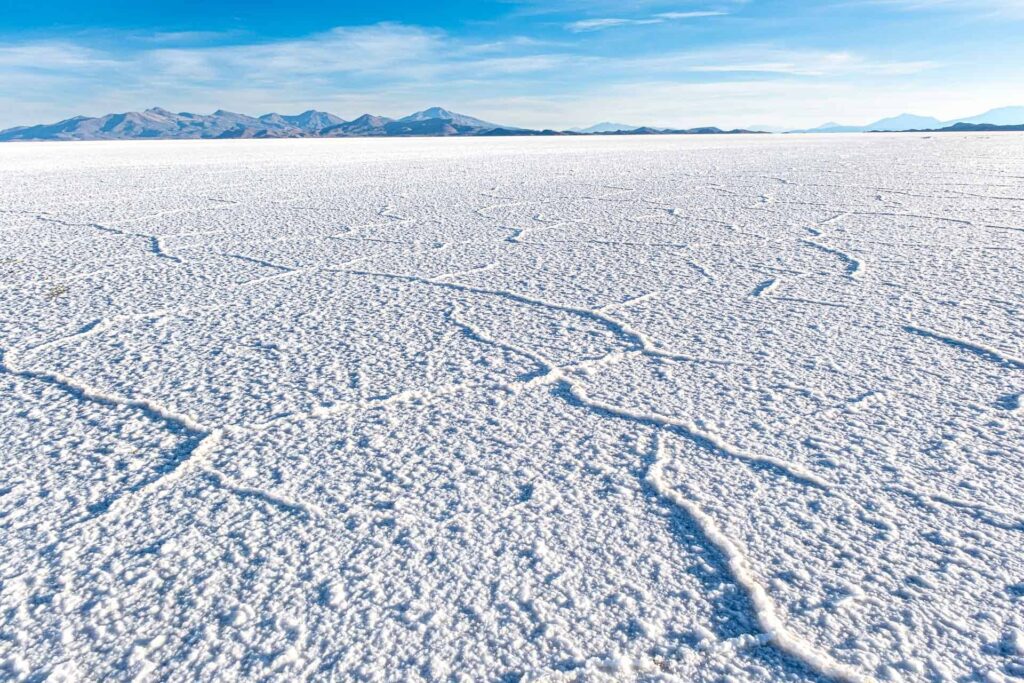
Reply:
x=693, y=408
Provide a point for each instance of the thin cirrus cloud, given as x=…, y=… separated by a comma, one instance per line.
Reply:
x=384, y=54
x=769, y=60
x=43, y=56
x=600, y=24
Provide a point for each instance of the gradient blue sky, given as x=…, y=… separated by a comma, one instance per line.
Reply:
x=521, y=62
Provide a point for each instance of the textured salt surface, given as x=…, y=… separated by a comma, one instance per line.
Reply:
x=581, y=409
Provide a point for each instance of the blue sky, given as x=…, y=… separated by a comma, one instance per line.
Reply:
x=521, y=62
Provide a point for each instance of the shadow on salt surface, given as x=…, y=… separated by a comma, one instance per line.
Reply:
x=734, y=628
x=113, y=290
x=423, y=492
x=849, y=579
x=279, y=359
x=942, y=420
x=67, y=476
x=586, y=275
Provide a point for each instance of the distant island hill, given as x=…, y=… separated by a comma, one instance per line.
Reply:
x=161, y=124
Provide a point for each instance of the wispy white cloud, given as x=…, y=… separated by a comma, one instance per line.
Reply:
x=52, y=55
x=187, y=36
x=611, y=22
x=342, y=50
x=761, y=59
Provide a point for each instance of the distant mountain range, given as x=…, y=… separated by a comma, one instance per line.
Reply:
x=965, y=128
x=604, y=127
x=161, y=124
x=1004, y=116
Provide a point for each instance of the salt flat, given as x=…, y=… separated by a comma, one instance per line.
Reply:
x=668, y=408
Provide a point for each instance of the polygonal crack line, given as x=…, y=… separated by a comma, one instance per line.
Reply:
x=203, y=441
x=773, y=629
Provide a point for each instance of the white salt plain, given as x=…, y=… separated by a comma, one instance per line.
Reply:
x=616, y=408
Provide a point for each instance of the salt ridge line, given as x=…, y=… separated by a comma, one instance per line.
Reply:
x=222, y=481
x=406, y=396
x=599, y=312
x=73, y=386
x=467, y=271
x=154, y=241
x=575, y=394
x=100, y=325
x=854, y=268
x=627, y=302
x=289, y=271
x=764, y=607
x=986, y=352
x=701, y=437
x=206, y=441
x=646, y=346
x=702, y=270
x=986, y=513
x=765, y=611
x=206, y=438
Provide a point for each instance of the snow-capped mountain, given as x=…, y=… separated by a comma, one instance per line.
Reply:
x=309, y=120
x=449, y=124
x=157, y=123
x=456, y=119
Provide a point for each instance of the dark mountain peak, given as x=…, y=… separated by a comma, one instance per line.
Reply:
x=365, y=125
x=432, y=126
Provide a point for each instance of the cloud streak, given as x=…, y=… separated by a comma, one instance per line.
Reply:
x=585, y=25
x=764, y=59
